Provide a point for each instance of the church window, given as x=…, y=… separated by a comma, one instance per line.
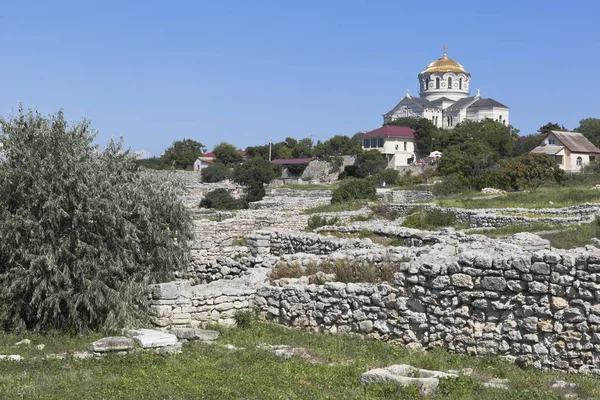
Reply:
x=579, y=161
x=460, y=83
x=437, y=83
x=449, y=82
x=426, y=84
x=433, y=120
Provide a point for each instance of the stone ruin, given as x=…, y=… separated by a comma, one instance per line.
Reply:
x=516, y=297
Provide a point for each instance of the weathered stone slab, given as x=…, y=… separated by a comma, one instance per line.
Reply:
x=112, y=343
x=205, y=335
x=406, y=375
x=148, y=338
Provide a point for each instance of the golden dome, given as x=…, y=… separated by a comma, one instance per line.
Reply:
x=444, y=64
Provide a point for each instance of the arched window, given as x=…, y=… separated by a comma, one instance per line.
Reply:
x=579, y=161
x=405, y=145
x=437, y=83
x=426, y=84
x=460, y=83
x=449, y=82
x=433, y=120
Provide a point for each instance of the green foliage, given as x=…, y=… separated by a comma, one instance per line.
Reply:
x=369, y=163
x=221, y=199
x=317, y=221
x=354, y=189
x=215, y=172
x=227, y=154
x=83, y=231
x=254, y=173
x=590, y=128
x=339, y=145
x=525, y=144
x=296, y=169
x=389, y=175
x=531, y=170
x=150, y=163
x=430, y=219
x=182, y=154
x=243, y=319
x=459, y=387
x=427, y=135
x=551, y=126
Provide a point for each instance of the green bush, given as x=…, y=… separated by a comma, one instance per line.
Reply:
x=355, y=189
x=243, y=319
x=389, y=176
x=451, y=184
x=494, y=179
x=430, y=219
x=215, y=172
x=84, y=231
x=317, y=221
x=221, y=199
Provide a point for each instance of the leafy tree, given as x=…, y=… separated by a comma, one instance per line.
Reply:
x=551, y=126
x=427, y=135
x=389, y=176
x=221, y=199
x=530, y=170
x=182, y=154
x=215, y=172
x=83, y=231
x=254, y=173
x=338, y=145
x=525, y=144
x=590, y=128
x=498, y=137
x=150, y=163
x=370, y=162
x=355, y=189
x=227, y=154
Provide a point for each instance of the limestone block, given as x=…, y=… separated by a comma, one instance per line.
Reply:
x=494, y=283
x=149, y=338
x=406, y=375
x=195, y=334
x=462, y=280
x=111, y=343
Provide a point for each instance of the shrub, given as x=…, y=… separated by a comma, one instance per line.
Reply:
x=83, y=231
x=451, y=184
x=215, y=172
x=284, y=270
x=389, y=176
x=221, y=199
x=243, y=319
x=355, y=189
x=317, y=221
x=430, y=219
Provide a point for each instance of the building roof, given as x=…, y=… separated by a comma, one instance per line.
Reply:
x=391, y=131
x=550, y=149
x=212, y=154
x=575, y=142
x=463, y=103
x=487, y=103
x=291, y=161
x=417, y=100
x=445, y=64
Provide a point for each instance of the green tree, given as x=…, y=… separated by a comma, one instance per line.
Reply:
x=221, y=199
x=254, y=173
x=150, y=163
x=525, y=144
x=355, y=189
x=182, y=154
x=427, y=135
x=215, y=172
x=551, y=126
x=227, y=154
x=590, y=128
x=370, y=162
x=530, y=170
x=83, y=231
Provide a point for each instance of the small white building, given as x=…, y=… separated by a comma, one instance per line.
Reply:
x=396, y=143
x=445, y=99
x=202, y=162
x=570, y=150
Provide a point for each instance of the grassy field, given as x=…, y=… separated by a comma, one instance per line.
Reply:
x=205, y=371
x=545, y=197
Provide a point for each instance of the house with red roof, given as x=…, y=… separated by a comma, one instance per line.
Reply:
x=396, y=143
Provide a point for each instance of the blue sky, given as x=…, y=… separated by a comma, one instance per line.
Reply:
x=243, y=71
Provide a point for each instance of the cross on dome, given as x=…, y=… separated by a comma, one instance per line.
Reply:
x=444, y=47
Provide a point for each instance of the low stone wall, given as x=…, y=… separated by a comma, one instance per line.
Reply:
x=180, y=304
x=496, y=217
x=406, y=196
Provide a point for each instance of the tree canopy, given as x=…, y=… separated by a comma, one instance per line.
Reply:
x=84, y=231
x=182, y=154
x=427, y=135
x=590, y=128
x=227, y=154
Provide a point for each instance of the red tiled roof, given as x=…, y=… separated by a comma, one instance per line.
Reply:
x=391, y=131
x=291, y=161
x=209, y=154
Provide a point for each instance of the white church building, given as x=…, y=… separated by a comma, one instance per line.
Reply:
x=445, y=98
